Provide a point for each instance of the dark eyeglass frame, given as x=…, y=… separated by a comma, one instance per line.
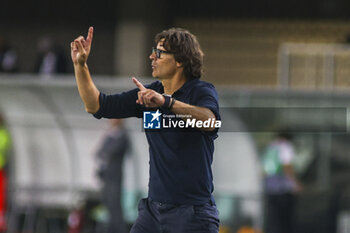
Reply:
x=159, y=52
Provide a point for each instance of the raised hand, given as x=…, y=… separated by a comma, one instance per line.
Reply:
x=148, y=97
x=80, y=48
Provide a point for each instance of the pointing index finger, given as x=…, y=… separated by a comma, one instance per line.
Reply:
x=138, y=84
x=90, y=34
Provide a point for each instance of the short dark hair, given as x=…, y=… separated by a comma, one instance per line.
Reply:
x=185, y=48
x=285, y=133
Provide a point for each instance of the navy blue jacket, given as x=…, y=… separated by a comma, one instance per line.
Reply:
x=180, y=159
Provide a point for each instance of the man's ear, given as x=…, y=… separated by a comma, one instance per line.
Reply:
x=178, y=64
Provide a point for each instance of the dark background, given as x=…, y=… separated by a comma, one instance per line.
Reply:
x=23, y=23
x=107, y=10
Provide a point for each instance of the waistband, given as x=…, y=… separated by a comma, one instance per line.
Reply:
x=211, y=201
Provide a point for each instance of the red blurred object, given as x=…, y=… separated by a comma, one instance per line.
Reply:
x=75, y=221
x=3, y=182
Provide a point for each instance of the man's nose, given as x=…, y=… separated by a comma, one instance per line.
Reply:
x=152, y=56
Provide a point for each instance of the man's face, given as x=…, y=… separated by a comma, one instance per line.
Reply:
x=165, y=66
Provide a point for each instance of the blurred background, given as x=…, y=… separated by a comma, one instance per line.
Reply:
x=276, y=65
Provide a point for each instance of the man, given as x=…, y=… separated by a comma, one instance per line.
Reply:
x=281, y=183
x=51, y=58
x=110, y=156
x=180, y=184
x=8, y=57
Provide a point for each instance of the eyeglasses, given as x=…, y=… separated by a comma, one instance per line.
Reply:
x=158, y=52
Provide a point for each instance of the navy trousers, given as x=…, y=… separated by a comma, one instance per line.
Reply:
x=156, y=217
